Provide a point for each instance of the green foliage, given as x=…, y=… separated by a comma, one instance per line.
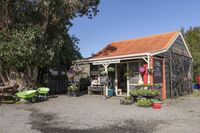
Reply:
x=128, y=98
x=127, y=101
x=144, y=92
x=34, y=33
x=128, y=73
x=192, y=37
x=150, y=70
x=72, y=88
x=143, y=102
x=109, y=69
x=133, y=92
x=21, y=48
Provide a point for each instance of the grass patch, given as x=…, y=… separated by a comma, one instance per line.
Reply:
x=196, y=93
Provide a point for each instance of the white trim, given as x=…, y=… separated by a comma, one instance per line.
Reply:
x=116, y=80
x=122, y=56
x=113, y=61
x=185, y=45
x=146, y=60
x=132, y=58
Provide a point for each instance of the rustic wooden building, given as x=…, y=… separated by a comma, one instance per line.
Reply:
x=166, y=55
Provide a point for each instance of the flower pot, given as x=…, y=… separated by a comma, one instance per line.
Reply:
x=156, y=105
x=195, y=86
x=69, y=94
x=74, y=94
x=198, y=79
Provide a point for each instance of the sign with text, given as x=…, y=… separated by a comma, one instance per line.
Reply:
x=106, y=62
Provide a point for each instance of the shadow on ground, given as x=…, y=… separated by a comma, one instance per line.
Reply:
x=43, y=122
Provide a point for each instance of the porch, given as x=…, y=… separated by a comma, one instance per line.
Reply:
x=126, y=75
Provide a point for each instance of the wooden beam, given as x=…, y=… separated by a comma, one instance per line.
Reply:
x=164, y=82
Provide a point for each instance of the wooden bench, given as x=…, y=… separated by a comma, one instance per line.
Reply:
x=92, y=89
x=11, y=90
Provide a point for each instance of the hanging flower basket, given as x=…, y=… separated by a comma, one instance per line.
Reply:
x=150, y=70
x=141, y=69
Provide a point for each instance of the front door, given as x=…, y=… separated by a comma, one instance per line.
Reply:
x=122, y=80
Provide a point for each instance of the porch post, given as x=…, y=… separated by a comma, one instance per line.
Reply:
x=116, y=81
x=148, y=62
x=106, y=70
x=127, y=80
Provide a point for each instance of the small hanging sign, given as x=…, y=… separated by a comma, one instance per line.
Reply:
x=114, y=61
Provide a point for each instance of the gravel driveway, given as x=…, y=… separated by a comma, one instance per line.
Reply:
x=90, y=113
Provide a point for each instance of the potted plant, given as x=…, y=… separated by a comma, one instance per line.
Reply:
x=133, y=93
x=72, y=90
x=128, y=73
x=143, y=102
x=195, y=85
x=147, y=93
x=69, y=90
x=127, y=101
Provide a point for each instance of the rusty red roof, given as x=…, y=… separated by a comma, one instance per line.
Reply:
x=148, y=44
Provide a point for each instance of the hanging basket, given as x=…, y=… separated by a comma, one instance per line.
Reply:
x=141, y=70
x=150, y=70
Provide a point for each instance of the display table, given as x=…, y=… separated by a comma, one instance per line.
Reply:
x=92, y=89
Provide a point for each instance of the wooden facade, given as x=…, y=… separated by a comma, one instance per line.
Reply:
x=178, y=66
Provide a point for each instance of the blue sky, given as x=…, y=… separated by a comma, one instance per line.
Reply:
x=126, y=19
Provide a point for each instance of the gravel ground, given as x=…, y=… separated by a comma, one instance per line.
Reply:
x=90, y=113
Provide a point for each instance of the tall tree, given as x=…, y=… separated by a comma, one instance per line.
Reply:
x=192, y=37
x=34, y=33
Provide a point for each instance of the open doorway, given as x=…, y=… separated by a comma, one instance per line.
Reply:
x=122, y=80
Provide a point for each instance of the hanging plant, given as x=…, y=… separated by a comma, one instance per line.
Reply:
x=128, y=73
x=104, y=73
x=150, y=70
x=141, y=69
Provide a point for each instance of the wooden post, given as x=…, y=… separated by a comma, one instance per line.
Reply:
x=151, y=65
x=148, y=58
x=164, y=82
x=171, y=84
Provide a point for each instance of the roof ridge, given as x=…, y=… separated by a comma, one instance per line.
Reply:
x=149, y=36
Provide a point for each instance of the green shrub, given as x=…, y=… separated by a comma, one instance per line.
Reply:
x=133, y=92
x=144, y=102
x=153, y=92
x=141, y=92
